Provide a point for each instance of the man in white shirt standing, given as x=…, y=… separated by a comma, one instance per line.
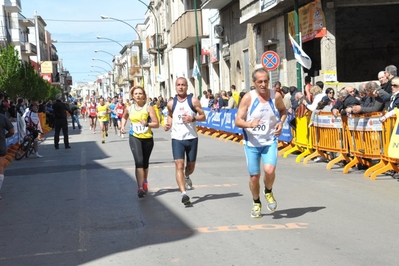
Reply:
x=204, y=99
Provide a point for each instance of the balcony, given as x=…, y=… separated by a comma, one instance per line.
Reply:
x=183, y=29
x=215, y=4
x=12, y=6
x=29, y=49
x=152, y=44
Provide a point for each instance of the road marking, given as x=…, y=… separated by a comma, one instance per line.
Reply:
x=156, y=189
x=233, y=228
x=43, y=254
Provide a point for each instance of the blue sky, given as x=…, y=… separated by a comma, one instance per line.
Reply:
x=75, y=25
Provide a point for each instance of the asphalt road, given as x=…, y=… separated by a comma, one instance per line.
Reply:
x=80, y=207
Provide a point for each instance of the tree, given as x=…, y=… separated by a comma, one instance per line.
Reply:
x=19, y=79
x=9, y=70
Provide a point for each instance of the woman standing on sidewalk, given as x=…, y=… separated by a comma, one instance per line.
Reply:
x=142, y=118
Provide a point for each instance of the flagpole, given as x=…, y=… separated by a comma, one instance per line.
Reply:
x=300, y=67
x=299, y=41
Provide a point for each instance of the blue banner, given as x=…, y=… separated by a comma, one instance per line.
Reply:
x=222, y=120
x=14, y=138
x=286, y=134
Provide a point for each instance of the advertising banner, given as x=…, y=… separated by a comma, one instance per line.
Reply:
x=46, y=67
x=224, y=120
x=312, y=21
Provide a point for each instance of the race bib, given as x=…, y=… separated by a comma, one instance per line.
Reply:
x=119, y=111
x=261, y=129
x=139, y=128
x=179, y=117
x=102, y=113
x=93, y=110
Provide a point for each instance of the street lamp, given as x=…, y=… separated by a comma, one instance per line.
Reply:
x=138, y=35
x=157, y=39
x=102, y=68
x=103, y=61
x=112, y=74
x=127, y=58
x=101, y=73
x=96, y=51
x=101, y=37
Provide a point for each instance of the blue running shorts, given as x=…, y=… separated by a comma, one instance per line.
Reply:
x=253, y=154
x=182, y=148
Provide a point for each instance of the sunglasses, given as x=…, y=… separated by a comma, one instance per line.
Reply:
x=395, y=85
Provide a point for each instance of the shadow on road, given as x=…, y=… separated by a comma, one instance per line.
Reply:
x=293, y=213
x=68, y=209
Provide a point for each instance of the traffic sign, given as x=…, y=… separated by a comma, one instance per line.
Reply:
x=270, y=60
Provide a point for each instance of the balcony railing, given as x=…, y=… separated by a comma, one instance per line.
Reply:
x=183, y=30
x=29, y=49
x=153, y=45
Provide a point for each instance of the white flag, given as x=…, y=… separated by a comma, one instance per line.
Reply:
x=196, y=70
x=300, y=56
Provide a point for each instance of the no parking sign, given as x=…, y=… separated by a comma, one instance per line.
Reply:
x=270, y=60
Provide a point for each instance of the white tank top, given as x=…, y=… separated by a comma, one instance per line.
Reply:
x=264, y=134
x=180, y=130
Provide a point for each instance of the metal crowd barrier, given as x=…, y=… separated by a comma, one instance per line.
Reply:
x=329, y=136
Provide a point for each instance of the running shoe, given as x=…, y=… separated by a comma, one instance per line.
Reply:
x=106, y=133
x=90, y=126
x=185, y=200
x=189, y=183
x=256, y=210
x=102, y=140
x=141, y=193
x=123, y=136
x=145, y=186
x=271, y=201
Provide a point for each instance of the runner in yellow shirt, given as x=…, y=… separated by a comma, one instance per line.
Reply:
x=103, y=112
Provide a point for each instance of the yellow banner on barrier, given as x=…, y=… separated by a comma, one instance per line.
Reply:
x=393, y=149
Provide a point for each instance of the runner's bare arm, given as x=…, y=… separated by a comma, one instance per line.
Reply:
x=200, y=113
x=242, y=113
x=283, y=114
x=154, y=119
x=168, y=123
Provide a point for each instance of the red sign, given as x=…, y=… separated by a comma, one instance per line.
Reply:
x=270, y=60
x=47, y=77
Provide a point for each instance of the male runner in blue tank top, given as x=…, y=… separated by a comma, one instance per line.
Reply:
x=183, y=111
x=261, y=118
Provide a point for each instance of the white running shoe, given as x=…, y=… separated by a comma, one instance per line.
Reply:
x=189, y=183
x=38, y=155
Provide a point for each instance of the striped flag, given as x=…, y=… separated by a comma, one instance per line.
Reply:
x=300, y=56
x=196, y=70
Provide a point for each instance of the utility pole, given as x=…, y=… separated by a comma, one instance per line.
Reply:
x=198, y=50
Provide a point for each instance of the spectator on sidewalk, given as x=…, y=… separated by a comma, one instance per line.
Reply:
x=60, y=122
x=5, y=125
x=33, y=126
x=75, y=112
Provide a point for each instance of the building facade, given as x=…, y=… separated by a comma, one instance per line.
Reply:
x=347, y=42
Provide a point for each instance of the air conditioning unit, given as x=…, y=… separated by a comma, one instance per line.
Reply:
x=218, y=31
